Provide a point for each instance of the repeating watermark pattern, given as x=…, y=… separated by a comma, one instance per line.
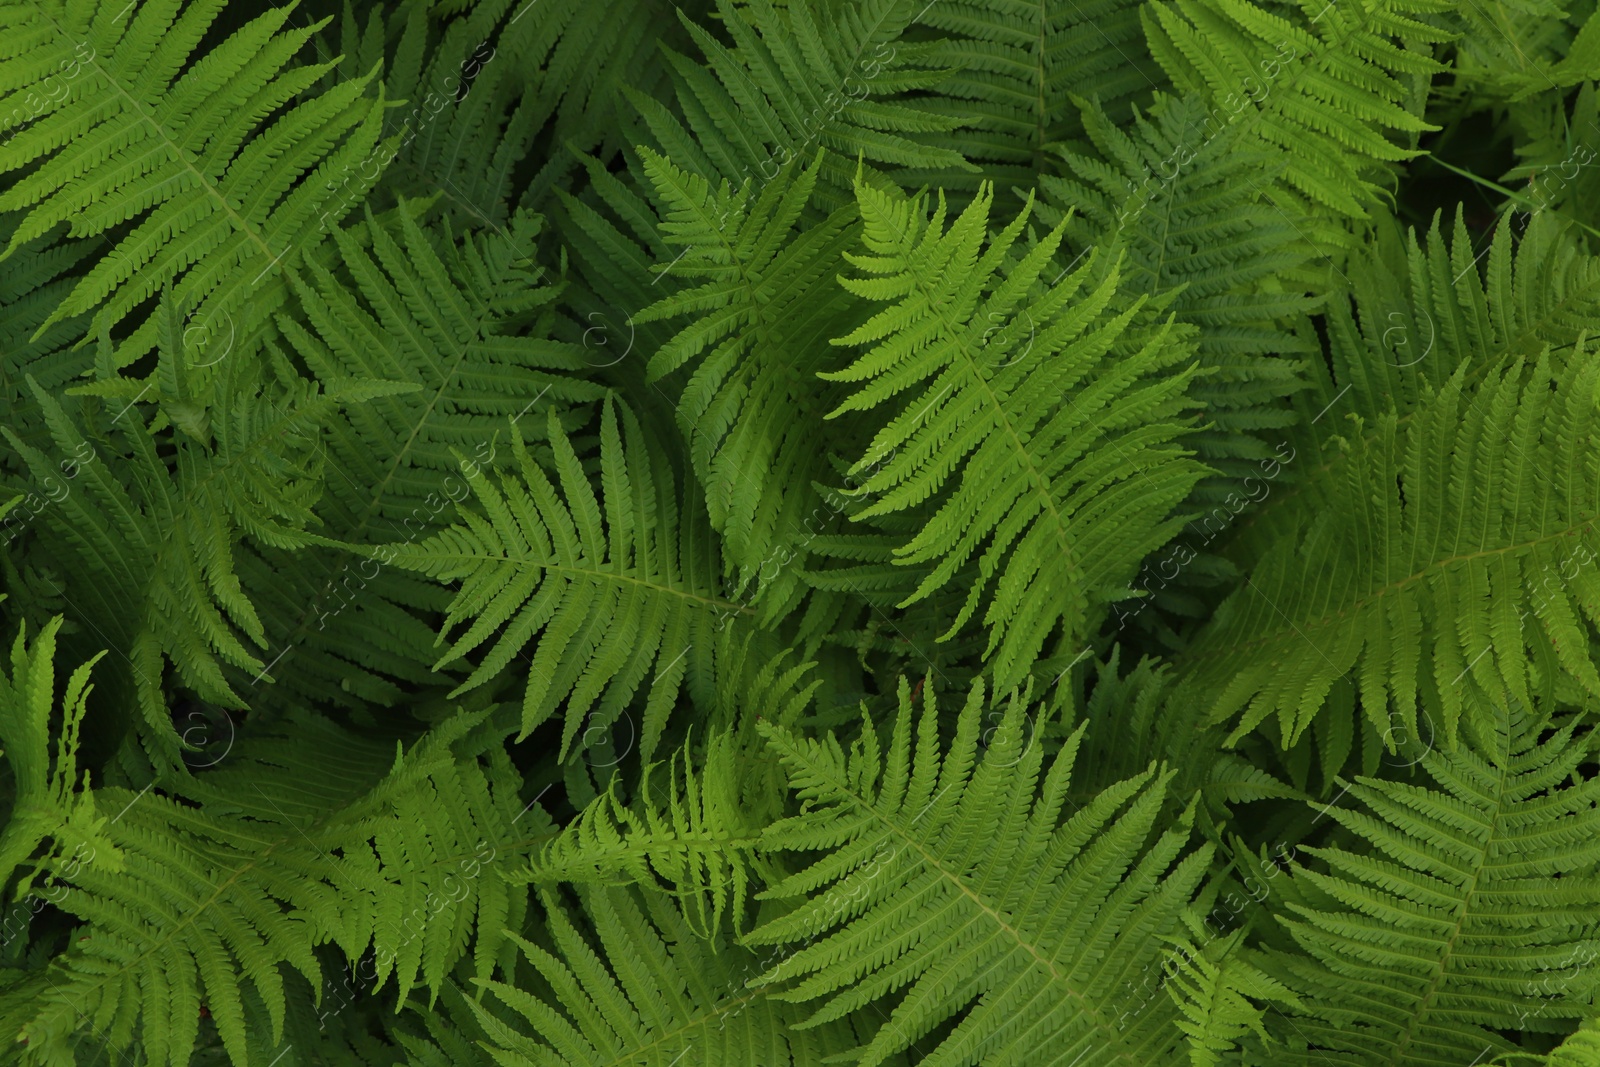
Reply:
x=1398, y=750
x=56, y=491
x=833, y=103
x=599, y=744
x=1212, y=524
x=1544, y=187
x=1548, y=995
x=420, y=118
x=1541, y=592
x=211, y=338
x=602, y=331
x=1400, y=328
x=209, y=735
x=1223, y=915
x=997, y=713
x=1007, y=329
x=53, y=90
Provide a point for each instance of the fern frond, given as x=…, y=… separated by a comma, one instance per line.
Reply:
x=40, y=798
x=1433, y=508
x=1062, y=499
x=609, y=584
x=590, y=58
x=1216, y=998
x=144, y=132
x=814, y=75
x=952, y=877
x=1180, y=206
x=32, y=284
x=1326, y=93
x=1439, y=533
x=763, y=305
x=696, y=839
x=1519, y=48
x=1016, y=67
x=147, y=551
x=214, y=892
x=1582, y=1049
x=462, y=329
x=646, y=991
x=470, y=110
x=1417, y=312
x=1458, y=909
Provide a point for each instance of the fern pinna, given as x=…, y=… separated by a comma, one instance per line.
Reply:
x=774, y=533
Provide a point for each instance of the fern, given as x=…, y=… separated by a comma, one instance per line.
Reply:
x=1019, y=65
x=178, y=147
x=1182, y=208
x=155, y=552
x=207, y=897
x=1475, y=448
x=1579, y=1050
x=44, y=803
x=695, y=839
x=1418, y=312
x=796, y=80
x=444, y=322
x=569, y=567
x=1460, y=914
x=1215, y=999
x=31, y=286
x=1470, y=511
x=1069, y=518
x=663, y=996
x=761, y=316
x=1324, y=91
x=940, y=860
x=558, y=532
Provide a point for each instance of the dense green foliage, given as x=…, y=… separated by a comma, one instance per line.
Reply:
x=772, y=533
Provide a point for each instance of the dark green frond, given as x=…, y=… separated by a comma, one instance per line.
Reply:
x=643, y=990
x=1324, y=85
x=764, y=303
x=794, y=81
x=1016, y=67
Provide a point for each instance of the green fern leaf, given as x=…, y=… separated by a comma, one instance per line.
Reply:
x=1016, y=68
x=807, y=77
x=220, y=197
x=1457, y=912
x=648, y=994
x=765, y=302
x=605, y=582
x=215, y=892
x=1442, y=528
x=970, y=364
x=951, y=877
x=1326, y=93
